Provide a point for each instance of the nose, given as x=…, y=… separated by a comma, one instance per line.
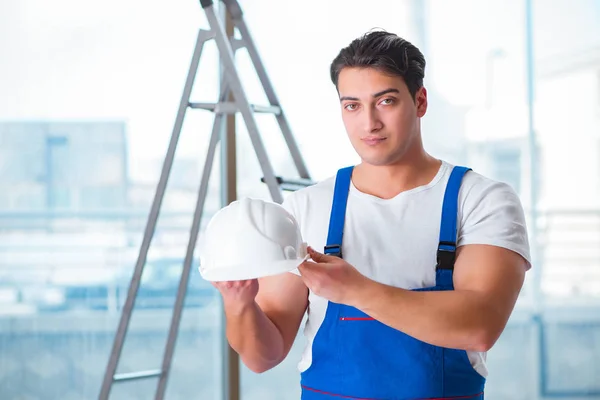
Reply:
x=372, y=122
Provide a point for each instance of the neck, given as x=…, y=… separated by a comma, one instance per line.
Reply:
x=387, y=181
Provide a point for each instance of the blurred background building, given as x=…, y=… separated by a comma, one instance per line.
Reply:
x=89, y=96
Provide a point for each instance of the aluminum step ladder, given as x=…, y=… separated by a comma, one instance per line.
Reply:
x=232, y=100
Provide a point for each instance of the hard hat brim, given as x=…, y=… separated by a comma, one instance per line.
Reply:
x=249, y=271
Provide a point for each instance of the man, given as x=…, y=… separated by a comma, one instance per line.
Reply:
x=416, y=264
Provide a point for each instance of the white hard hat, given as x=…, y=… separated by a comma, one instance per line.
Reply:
x=251, y=238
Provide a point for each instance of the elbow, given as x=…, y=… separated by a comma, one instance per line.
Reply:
x=260, y=358
x=260, y=365
x=482, y=346
x=484, y=340
x=259, y=368
x=487, y=331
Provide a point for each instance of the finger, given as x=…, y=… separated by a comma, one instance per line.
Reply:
x=307, y=277
x=316, y=265
x=313, y=270
x=309, y=265
x=304, y=268
x=311, y=276
x=220, y=286
x=223, y=284
x=307, y=271
x=320, y=257
x=247, y=283
x=239, y=284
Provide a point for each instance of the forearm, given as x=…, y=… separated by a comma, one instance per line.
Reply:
x=254, y=337
x=458, y=319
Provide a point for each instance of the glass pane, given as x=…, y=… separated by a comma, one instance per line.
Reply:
x=567, y=39
x=87, y=111
x=478, y=91
x=87, y=108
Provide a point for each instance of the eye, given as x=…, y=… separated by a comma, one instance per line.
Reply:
x=351, y=106
x=387, y=102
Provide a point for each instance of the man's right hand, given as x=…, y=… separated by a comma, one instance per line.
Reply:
x=261, y=325
x=237, y=295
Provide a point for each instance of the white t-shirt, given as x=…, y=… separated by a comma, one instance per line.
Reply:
x=394, y=241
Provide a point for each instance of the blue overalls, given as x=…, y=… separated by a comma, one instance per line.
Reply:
x=357, y=357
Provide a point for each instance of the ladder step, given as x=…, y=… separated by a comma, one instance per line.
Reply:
x=291, y=184
x=129, y=376
x=237, y=44
x=231, y=108
x=266, y=109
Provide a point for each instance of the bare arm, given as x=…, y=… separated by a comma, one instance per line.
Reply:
x=261, y=327
x=487, y=282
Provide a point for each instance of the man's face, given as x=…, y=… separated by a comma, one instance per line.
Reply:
x=380, y=115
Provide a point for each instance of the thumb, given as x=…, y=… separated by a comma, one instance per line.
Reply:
x=320, y=257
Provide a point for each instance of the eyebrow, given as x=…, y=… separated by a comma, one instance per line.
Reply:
x=381, y=93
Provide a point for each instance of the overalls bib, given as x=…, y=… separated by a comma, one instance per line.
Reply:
x=357, y=357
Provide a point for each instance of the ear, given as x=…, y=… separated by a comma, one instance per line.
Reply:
x=421, y=101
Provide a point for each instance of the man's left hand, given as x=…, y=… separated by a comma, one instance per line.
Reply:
x=331, y=277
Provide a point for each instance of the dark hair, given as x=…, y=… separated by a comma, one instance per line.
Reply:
x=385, y=52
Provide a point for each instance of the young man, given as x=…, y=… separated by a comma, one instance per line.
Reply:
x=416, y=264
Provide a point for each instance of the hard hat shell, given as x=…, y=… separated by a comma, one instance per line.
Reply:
x=251, y=238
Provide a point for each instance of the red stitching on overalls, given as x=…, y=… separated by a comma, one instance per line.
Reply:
x=366, y=398
x=337, y=395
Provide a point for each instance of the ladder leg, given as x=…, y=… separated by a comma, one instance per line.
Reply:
x=236, y=15
x=193, y=238
x=227, y=57
x=119, y=339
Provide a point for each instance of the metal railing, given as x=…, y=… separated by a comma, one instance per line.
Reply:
x=104, y=245
x=569, y=243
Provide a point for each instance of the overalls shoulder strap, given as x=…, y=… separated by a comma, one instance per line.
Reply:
x=446, y=253
x=338, y=212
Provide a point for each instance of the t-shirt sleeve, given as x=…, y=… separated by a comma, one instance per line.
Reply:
x=492, y=214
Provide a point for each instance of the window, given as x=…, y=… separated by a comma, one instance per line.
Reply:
x=83, y=141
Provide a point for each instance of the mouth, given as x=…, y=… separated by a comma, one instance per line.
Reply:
x=373, y=140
